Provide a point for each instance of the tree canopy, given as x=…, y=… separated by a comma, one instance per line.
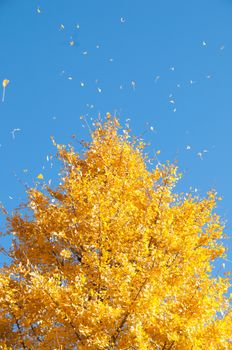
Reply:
x=114, y=258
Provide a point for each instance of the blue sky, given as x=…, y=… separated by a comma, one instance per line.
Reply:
x=165, y=64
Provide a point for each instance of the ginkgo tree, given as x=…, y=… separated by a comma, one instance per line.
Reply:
x=114, y=258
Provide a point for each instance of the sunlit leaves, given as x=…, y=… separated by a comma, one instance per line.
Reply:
x=113, y=258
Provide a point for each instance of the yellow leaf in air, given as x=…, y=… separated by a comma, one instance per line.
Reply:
x=5, y=82
x=40, y=176
x=158, y=152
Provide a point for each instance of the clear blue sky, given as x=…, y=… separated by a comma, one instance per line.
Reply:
x=166, y=64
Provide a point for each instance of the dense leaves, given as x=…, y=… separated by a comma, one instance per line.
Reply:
x=114, y=259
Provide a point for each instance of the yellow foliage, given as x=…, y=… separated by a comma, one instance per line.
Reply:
x=114, y=259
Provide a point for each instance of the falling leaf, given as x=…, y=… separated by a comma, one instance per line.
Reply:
x=14, y=131
x=40, y=176
x=133, y=84
x=157, y=78
x=5, y=82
